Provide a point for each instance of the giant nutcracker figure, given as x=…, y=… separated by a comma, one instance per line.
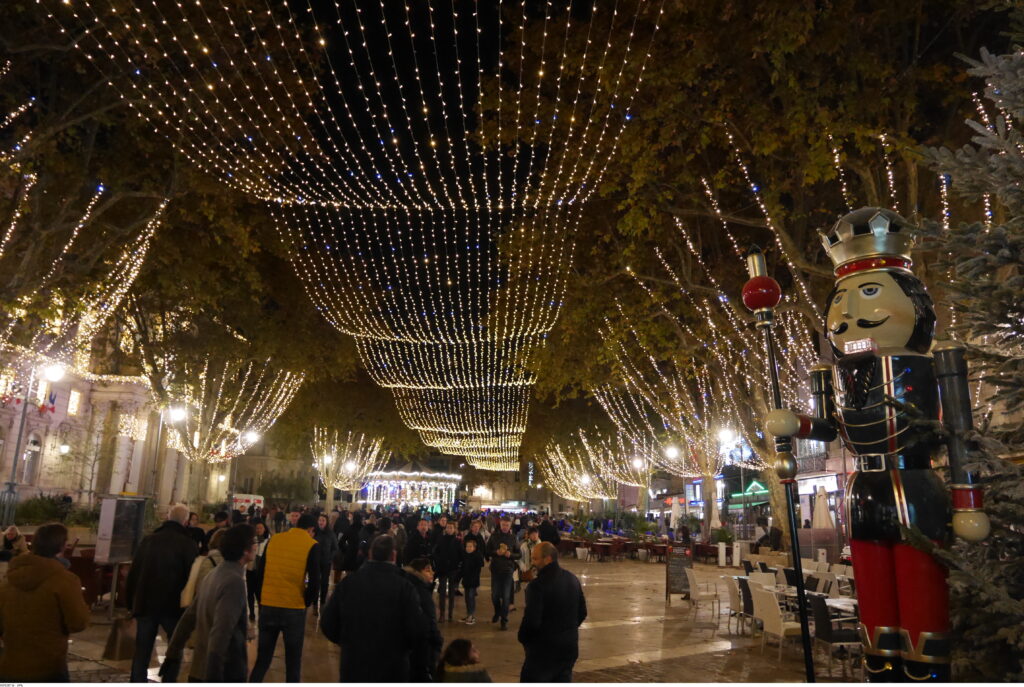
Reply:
x=896, y=401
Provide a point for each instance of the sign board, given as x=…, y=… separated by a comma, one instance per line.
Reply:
x=246, y=502
x=679, y=558
x=120, y=529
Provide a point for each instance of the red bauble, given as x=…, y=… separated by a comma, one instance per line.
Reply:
x=761, y=292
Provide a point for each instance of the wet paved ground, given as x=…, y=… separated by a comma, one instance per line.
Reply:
x=632, y=635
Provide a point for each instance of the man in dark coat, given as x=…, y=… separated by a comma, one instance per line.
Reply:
x=502, y=552
x=447, y=559
x=159, y=572
x=555, y=609
x=420, y=544
x=376, y=618
x=548, y=532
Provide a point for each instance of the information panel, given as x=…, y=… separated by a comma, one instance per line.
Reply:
x=679, y=558
x=122, y=519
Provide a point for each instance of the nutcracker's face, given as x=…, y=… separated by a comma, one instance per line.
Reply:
x=871, y=309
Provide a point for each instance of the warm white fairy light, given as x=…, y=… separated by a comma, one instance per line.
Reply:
x=618, y=457
x=67, y=338
x=890, y=173
x=840, y=172
x=570, y=473
x=220, y=406
x=346, y=460
x=390, y=209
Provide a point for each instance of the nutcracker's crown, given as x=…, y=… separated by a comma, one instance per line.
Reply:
x=869, y=238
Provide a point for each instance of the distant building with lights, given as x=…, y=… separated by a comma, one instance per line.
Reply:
x=411, y=485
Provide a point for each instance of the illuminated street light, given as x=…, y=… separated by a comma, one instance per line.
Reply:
x=727, y=437
x=221, y=478
x=350, y=466
x=252, y=437
x=177, y=414
x=672, y=452
x=585, y=479
x=328, y=460
x=65, y=449
x=637, y=463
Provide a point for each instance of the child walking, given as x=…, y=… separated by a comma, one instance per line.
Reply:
x=472, y=564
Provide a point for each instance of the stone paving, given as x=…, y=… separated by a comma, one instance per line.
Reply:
x=632, y=634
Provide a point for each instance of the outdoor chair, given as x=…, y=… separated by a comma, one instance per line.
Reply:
x=812, y=583
x=701, y=592
x=791, y=576
x=763, y=566
x=822, y=566
x=780, y=575
x=766, y=609
x=762, y=579
x=832, y=584
x=747, y=567
x=748, y=602
x=827, y=636
x=808, y=565
x=735, y=604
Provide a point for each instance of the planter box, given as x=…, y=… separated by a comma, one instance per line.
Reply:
x=582, y=553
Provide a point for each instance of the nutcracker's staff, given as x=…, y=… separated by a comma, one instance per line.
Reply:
x=761, y=294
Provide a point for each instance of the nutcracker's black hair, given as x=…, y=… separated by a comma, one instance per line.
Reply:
x=924, y=311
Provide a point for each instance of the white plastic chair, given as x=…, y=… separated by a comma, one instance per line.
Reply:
x=735, y=605
x=701, y=592
x=766, y=609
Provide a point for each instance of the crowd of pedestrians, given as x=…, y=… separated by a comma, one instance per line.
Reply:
x=370, y=577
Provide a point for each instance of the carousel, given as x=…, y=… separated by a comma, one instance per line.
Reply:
x=411, y=485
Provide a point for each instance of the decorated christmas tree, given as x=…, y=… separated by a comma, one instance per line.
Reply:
x=986, y=291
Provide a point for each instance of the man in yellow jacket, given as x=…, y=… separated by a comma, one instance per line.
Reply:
x=288, y=581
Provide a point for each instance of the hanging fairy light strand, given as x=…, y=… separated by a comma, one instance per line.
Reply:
x=391, y=186
x=345, y=461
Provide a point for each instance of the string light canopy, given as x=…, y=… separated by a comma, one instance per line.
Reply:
x=345, y=461
x=397, y=145
x=218, y=410
x=570, y=472
x=75, y=311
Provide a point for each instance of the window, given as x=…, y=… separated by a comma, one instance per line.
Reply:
x=74, y=400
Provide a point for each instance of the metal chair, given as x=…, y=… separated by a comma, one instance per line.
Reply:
x=825, y=633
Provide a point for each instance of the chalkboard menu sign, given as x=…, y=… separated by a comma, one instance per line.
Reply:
x=122, y=519
x=679, y=558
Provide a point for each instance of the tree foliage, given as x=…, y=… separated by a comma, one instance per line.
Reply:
x=986, y=259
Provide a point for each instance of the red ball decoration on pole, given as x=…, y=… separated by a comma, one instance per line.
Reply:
x=761, y=292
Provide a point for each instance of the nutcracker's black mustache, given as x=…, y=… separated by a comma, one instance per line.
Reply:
x=863, y=324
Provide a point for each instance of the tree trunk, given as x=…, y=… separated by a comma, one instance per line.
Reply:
x=710, y=495
x=777, y=496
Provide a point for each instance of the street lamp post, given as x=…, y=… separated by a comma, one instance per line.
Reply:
x=53, y=373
